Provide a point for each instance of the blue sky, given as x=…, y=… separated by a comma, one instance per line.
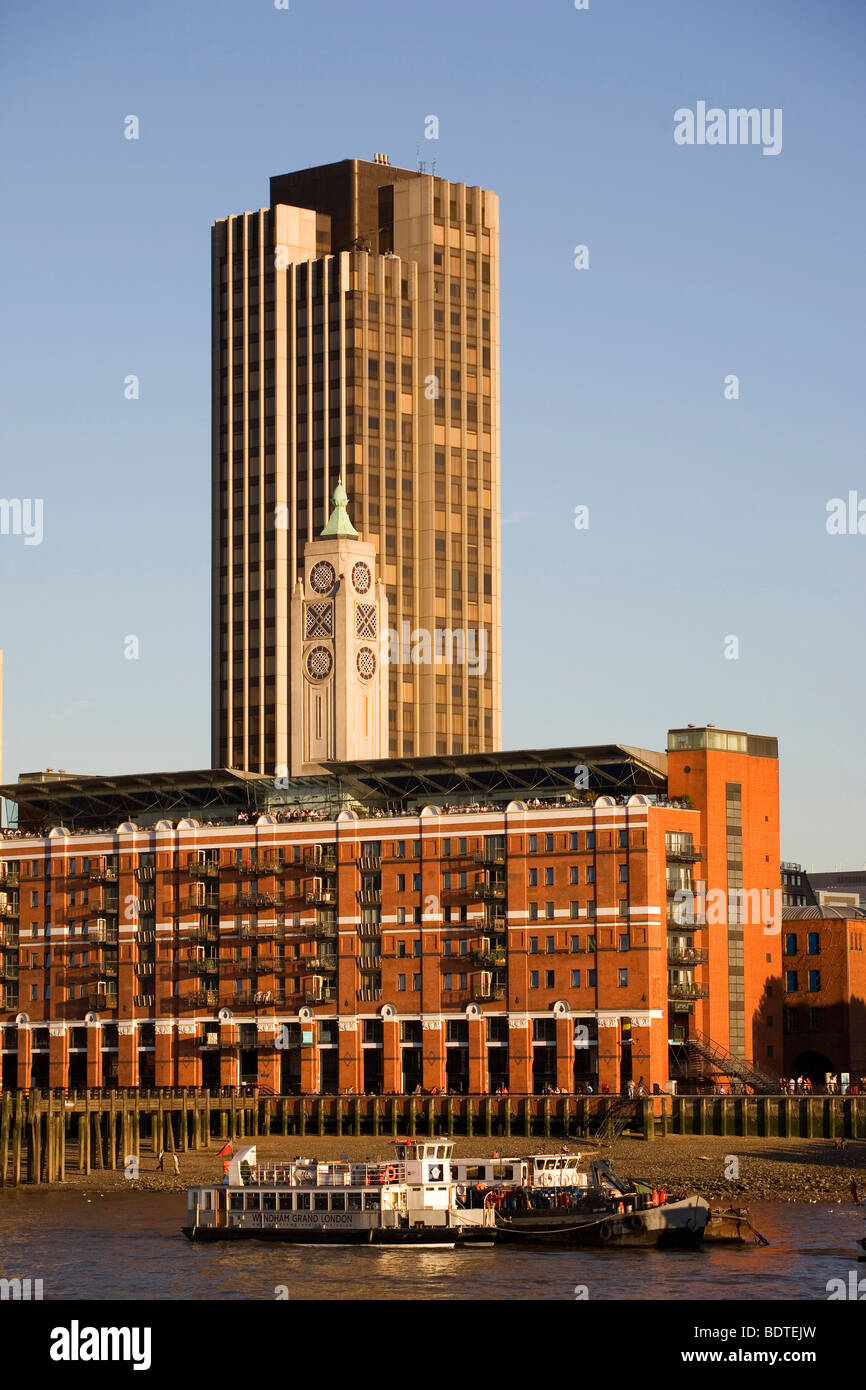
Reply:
x=707, y=516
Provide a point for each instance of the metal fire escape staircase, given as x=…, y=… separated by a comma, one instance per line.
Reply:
x=725, y=1063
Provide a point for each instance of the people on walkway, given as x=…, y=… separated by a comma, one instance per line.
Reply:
x=160, y=1158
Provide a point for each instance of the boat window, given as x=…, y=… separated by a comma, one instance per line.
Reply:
x=353, y=1200
x=252, y=1201
x=503, y=1170
x=207, y=1202
x=338, y=1201
x=476, y=1170
x=441, y=1151
x=320, y=1201
x=269, y=1201
x=303, y=1201
x=285, y=1201
x=371, y=1201
x=237, y=1201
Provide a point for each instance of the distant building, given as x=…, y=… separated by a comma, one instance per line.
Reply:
x=824, y=984
x=840, y=887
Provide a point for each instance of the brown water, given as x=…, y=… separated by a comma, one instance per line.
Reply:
x=129, y=1246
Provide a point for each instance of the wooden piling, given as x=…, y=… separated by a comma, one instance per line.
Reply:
x=5, y=1126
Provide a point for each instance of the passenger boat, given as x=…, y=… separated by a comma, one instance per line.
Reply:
x=610, y=1212
x=476, y=1176
x=411, y=1201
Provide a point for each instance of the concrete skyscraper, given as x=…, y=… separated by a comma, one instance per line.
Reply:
x=356, y=337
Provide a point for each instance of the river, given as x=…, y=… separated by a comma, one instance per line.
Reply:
x=129, y=1246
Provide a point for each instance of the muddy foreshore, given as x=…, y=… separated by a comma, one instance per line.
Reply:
x=766, y=1170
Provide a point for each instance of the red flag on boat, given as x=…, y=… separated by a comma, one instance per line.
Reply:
x=225, y=1150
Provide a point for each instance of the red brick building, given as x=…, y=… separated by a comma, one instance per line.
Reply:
x=453, y=923
x=824, y=979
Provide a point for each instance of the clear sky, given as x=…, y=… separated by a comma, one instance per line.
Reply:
x=707, y=516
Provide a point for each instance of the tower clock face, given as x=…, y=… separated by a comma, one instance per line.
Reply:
x=361, y=577
x=319, y=663
x=322, y=576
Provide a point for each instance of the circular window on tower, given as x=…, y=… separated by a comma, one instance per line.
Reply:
x=319, y=663
x=366, y=663
x=322, y=576
x=361, y=577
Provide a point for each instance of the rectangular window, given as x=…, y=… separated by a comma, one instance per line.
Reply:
x=533, y=912
x=401, y=915
x=548, y=911
x=814, y=981
x=548, y=843
x=790, y=981
x=401, y=949
x=790, y=943
x=590, y=839
x=401, y=982
x=590, y=873
x=622, y=839
x=416, y=981
x=416, y=948
x=448, y=981
x=575, y=912
x=575, y=979
x=623, y=873
x=548, y=877
x=533, y=945
x=590, y=978
x=533, y=878
x=814, y=944
x=533, y=844
x=549, y=979
x=624, y=941
x=533, y=979
x=401, y=883
x=590, y=908
x=622, y=978
x=575, y=943
x=416, y=883
x=574, y=874
x=551, y=944
x=572, y=840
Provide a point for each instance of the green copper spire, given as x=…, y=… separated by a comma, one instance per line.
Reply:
x=339, y=523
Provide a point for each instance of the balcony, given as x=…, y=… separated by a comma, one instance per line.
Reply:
x=203, y=871
x=688, y=992
x=262, y=931
x=493, y=922
x=10, y=879
x=323, y=929
x=203, y=998
x=101, y=934
x=103, y=970
x=144, y=1001
x=369, y=897
x=144, y=967
x=8, y=936
x=246, y=868
x=687, y=956
x=368, y=996
x=203, y=965
x=9, y=971
x=250, y=966
x=105, y=874
x=489, y=891
x=146, y=937
x=146, y=906
x=205, y=931
x=9, y=907
x=9, y=997
x=254, y=999
x=685, y=854
x=326, y=896
x=368, y=929
x=367, y=962
x=490, y=958
x=102, y=994
x=488, y=992
x=322, y=960
x=255, y=900
x=145, y=874
x=326, y=861
x=369, y=863
x=490, y=859
x=207, y=901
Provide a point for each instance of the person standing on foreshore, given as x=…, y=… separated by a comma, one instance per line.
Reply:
x=159, y=1161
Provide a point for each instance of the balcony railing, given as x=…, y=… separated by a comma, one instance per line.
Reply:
x=255, y=900
x=145, y=936
x=326, y=861
x=144, y=1001
x=203, y=870
x=368, y=962
x=204, y=965
x=490, y=958
x=688, y=992
x=208, y=998
x=369, y=863
x=489, y=891
x=8, y=936
x=145, y=967
x=247, y=868
x=103, y=970
x=326, y=896
x=262, y=931
x=146, y=873
x=9, y=971
x=101, y=934
x=9, y=907
x=254, y=999
x=205, y=931
x=100, y=997
x=685, y=854
x=323, y=929
x=490, y=858
x=369, y=897
x=107, y=874
x=325, y=962
x=10, y=879
x=488, y=992
x=368, y=996
x=688, y=956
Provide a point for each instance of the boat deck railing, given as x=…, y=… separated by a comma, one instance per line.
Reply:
x=325, y=1175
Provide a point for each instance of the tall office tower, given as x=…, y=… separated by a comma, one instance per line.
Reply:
x=356, y=336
